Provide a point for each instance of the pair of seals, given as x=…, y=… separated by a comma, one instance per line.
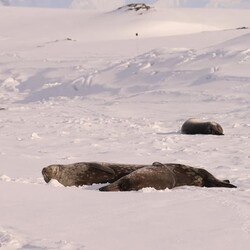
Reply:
x=132, y=177
x=195, y=126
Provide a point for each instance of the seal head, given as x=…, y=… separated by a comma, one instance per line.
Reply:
x=51, y=172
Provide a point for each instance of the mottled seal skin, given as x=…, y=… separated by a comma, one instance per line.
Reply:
x=161, y=176
x=87, y=173
x=195, y=126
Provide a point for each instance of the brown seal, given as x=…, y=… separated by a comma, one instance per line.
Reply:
x=161, y=176
x=87, y=173
x=195, y=126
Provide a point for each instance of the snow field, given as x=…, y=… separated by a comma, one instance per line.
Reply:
x=71, y=94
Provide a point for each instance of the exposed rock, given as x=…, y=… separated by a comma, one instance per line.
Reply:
x=136, y=7
x=242, y=28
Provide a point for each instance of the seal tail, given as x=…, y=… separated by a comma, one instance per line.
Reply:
x=211, y=181
x=219, y=183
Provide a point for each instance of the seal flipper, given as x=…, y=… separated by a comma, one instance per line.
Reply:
x=101, y=167
x=210, y=181
x=120, y=185
x=218, y=183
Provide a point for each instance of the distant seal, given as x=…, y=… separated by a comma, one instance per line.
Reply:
x=161, y=176
x=87, y=173
x=195, y=126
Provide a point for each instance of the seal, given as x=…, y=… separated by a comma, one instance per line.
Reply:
x=195, y=126
x=87, y=173
x=169, y=175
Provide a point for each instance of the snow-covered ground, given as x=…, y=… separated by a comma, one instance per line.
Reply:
x=81, y=86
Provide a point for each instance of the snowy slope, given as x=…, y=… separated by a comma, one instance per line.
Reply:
x=74, y=87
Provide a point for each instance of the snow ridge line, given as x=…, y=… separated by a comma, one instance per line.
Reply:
x=9, y=239
x=38, y=181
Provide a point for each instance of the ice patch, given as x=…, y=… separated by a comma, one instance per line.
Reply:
x=145, y=66
x=35, y=136
x=9, y=240
x=5, y=178
x=153, y=190
x=51, y=85
x=10, y=84
x=55, y=183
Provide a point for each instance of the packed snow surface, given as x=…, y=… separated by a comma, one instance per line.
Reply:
x=82, y=86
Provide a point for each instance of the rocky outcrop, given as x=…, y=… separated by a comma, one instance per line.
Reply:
x=138, y=7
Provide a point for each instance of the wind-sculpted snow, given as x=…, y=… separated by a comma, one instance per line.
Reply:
x=157, y=71
x=11, y=240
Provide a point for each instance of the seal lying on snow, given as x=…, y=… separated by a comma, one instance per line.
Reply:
x=87, y=173
x=195, y=126
x=162, y=176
